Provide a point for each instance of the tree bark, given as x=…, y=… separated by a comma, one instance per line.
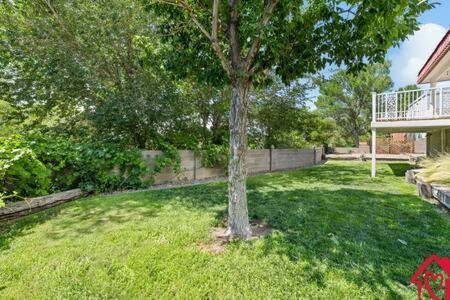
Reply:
x=238, y=223
x=356, y=139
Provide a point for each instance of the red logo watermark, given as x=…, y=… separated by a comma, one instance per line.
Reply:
x=432, y=278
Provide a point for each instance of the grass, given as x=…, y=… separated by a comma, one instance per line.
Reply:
x=338, y=234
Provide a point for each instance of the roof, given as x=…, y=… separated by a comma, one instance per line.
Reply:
x=439, y=52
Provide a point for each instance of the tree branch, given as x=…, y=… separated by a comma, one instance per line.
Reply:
x=213, y=37
x=215, y=21
x=174, y=3
x=254, y=49
x=188, y=8
x=235, y=46
x=348, y=11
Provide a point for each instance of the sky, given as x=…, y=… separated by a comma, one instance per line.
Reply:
x=411, y=55
x=408, y=59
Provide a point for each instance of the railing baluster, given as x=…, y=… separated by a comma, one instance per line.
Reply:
x=433, y=99
x=408, y=104
x=408, y=109
x=402, y=105
x=395, y=107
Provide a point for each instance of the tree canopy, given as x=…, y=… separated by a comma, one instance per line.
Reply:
x=347, y=98
x=279, y=117
x=210, y=39
x=99, y=71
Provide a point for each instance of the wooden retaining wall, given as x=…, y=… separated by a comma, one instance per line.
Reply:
x=22, y=208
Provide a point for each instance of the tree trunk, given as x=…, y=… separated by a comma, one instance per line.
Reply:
x=356, y=139
x=205, y=129
x=238, y=223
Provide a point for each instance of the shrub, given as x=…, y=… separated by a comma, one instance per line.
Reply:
x=37, y=165
x=106, y=167
x=215, y=156
x=21, y=172
x=437, y=170
x=170, y=158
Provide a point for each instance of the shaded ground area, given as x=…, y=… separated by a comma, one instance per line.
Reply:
x=336, y=233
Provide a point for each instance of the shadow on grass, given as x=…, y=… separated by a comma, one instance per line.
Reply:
x=100, y=208
x=399, y=169
x=11, y=230
x=357, y=233
x=371, y=237
x=92, y=214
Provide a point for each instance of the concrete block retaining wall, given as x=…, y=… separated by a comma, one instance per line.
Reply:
x=351, y=150
x=258, y=161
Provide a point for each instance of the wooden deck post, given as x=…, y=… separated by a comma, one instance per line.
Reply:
x=374, y=152
x=374, y=135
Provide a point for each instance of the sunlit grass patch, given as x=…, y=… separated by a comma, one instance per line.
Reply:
x=336, y=233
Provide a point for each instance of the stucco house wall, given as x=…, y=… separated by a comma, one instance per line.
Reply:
x=434, y=144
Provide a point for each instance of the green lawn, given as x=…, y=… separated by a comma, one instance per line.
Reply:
x=336, y=235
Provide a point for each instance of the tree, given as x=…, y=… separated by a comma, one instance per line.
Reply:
x=211, y=106
x=275, y=111
x=316, y=129
x=91, y=69
x=408, y=87
x=237, y=42
x=347, y=98
x=279, y=117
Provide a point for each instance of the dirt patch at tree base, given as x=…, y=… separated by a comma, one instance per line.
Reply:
x=220, y=238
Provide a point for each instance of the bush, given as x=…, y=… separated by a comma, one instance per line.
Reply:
x=106, y=167
x=215, y=156
x=21, y=172
x=170, y=158
x=37, y=165
x=437, y=170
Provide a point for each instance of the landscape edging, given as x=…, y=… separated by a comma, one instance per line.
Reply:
x=31, y=205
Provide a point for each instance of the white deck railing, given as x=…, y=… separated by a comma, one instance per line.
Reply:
x=433, y=103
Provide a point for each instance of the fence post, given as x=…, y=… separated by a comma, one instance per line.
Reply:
x=315, y=155
x=195, y=166
x=270, y=159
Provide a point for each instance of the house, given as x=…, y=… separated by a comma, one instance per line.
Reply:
x=418, y=111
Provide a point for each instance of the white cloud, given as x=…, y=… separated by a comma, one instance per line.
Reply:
x=414, y=52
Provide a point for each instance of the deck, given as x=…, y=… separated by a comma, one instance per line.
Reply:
x=411, y=111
